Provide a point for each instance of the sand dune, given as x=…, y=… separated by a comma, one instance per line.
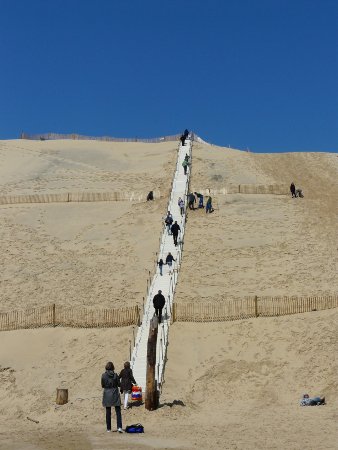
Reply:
x=227, y=385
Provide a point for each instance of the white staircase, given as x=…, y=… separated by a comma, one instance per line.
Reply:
x=165, y=283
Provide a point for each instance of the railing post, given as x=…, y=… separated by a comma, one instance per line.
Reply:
x=256, y=305
x=53, y=316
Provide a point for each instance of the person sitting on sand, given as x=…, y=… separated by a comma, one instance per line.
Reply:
x=299, y=193
x=311, y=401
x=150, y=196
x=127, y=380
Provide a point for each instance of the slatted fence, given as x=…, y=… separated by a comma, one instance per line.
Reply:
x=251, y=307
x=135, y=196
x=75, y=317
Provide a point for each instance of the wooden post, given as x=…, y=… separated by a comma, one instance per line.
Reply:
x=53, y=316
x=256, y=305
x=61, y=396
x=151, y=402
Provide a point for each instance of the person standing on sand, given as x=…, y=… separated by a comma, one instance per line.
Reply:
x=191, y=201
x=208, y=206
x=175, y=229
x=293, y=190
x=111, y=396
x=127, y=380
x=159, y=302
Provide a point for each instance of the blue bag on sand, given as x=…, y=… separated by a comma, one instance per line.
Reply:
x=136, y=428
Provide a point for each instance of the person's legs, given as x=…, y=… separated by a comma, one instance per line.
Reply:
x=126, y=397
x=161, y=270
x=160, y=315
x=175, y=239
x=185, y=170
x=118, y=417
x=156, y=312
x=108, y=418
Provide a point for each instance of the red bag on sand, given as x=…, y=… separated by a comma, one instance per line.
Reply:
x=136, y=394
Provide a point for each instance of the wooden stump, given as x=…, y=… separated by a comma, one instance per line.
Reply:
x=61, y=396
x=151, y=401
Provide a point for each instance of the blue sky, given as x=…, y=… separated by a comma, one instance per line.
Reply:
x=258, y=74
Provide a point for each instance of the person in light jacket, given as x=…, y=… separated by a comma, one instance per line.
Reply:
x=111, y=396
x=127, y=380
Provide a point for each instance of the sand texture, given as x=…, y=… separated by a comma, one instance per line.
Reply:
x=233, y=385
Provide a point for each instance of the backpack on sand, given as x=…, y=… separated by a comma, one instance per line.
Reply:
x=136, y=428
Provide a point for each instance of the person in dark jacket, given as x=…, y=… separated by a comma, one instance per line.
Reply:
x=208, y=207
x=159, y=302
x=127, y=380
x=174, y=230
x=293, y=189
x=111, y=396
x=168, y=221
x=186, y=133
x=182, y=139
x=169, y=260
x=191, y=201
x=150, y=196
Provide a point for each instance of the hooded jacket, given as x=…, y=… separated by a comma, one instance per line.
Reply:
x=127, y=379
x=110, y=383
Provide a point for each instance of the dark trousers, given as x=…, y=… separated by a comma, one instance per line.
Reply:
x=118, y=417
x=185, y=169
x=158, y=312
x=175, y=236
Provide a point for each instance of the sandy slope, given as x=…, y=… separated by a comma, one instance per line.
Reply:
x=86, y=253
x=69, y=166
x=262, y=244
x=232, y=385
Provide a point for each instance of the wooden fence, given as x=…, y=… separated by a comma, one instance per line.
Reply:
x=74, y=136
x=275, y=189
x=63, y=316
x=251, y=307
x=135, y=196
